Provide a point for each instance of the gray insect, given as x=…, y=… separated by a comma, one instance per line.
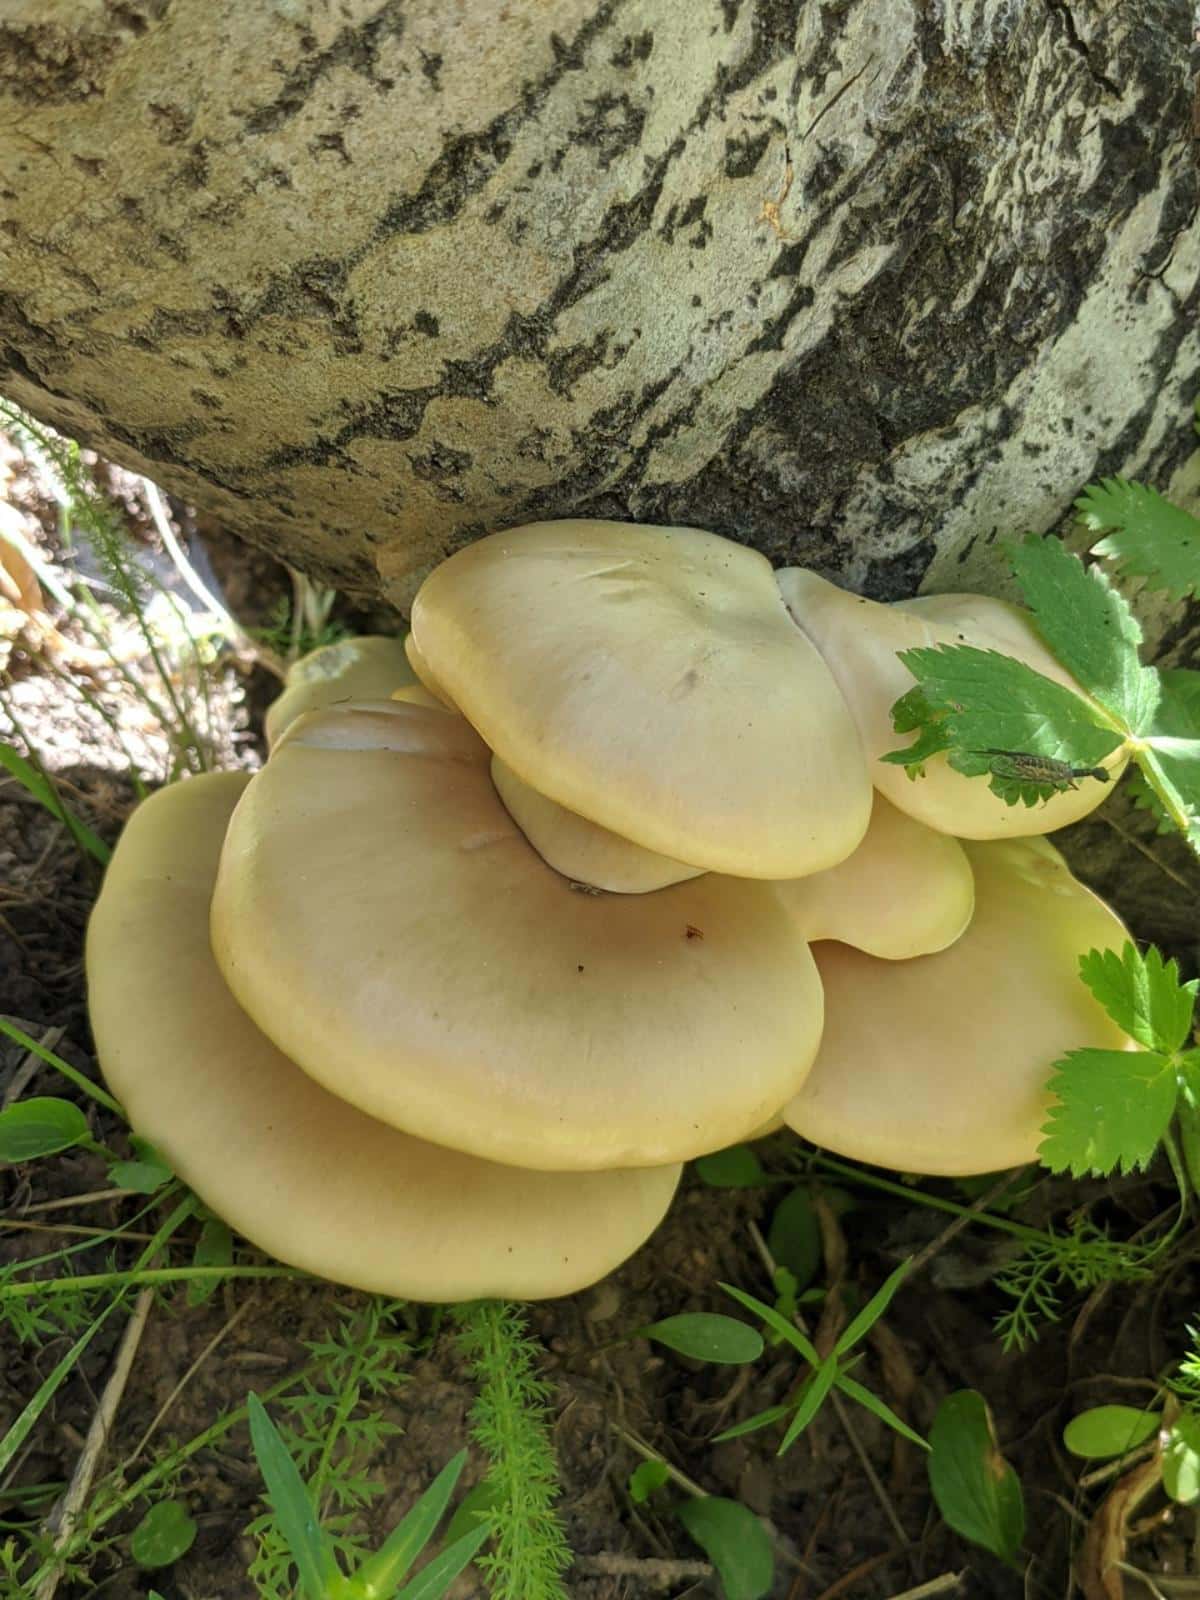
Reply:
x=1022, y=767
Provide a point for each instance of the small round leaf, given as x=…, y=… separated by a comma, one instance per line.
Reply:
x=707, y=1336
x=1181, y=1459
x=735, y=1168
x=736, y=1543
x=645, y=1479
x=794, y=1237
x=164, y=1534
x=1104, y=1431
x=40, y=1127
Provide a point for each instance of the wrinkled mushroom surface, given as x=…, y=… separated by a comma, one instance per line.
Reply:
x=650, y=680
x=384, y=920
x=939, y=1065
x=860, y=638
x=302, y=1174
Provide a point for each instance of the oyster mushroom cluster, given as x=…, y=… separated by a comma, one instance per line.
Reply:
x=599, y=873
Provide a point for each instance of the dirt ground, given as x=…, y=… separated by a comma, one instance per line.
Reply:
x=834, y=1522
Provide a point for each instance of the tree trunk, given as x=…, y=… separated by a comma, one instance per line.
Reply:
x=865, y=283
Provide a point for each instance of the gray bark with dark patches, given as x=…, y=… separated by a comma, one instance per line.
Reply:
x=866, y=285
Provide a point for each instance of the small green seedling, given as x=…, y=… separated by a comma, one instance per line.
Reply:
x=976, y=1490
x=706, y=1336
x=729, y=1533
x=1103, y=1433
x=380, y=1575
x=165, y=1533
x=831, y=1373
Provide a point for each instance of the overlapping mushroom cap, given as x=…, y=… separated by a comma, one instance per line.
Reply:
x=906, y=891
x=300, y=1172
x=385, y=922
x=365, y=668
x=939, y=1065
x=650, y=680
x=860, y=638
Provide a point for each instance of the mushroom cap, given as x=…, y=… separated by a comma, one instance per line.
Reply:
x=860, y=638
x=906, y=891
x=366, y=668
x=416, y=694
x=939, y=1065
x=425, y=674
x=649, y=679
x=302, y=1174
x=383, y=919
x=581, y=850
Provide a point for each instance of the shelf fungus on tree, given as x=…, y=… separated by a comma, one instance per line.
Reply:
x=365, y=668
x=860, y=639
x=906, y=891
x=383, y=919
x=939, y=1064
x=300, y=1172
x=649, y=679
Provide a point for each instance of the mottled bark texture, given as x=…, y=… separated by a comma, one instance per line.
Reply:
x=865, y=283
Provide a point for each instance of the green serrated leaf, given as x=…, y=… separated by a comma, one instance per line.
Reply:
x=1171, y=767
x=735, y=1168
x=214, y=1248
x=1143, y=995
x=1181, y=1459
x=39, y=1127
x=989, y=702
x=1104, y=1431
x=707, y=1336
x=1090, y=628
x=646, y=1479
x=1151, y=538
x=794, y=1237
x=736, y=1543
x=1113, y=1107
x=164, y=1534
x=1178, y=713
x=975, y=1489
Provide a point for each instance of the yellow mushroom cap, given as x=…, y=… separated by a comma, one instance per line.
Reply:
x=906, y=891
x=650, y=680
x=581, y=850
x=940, y=1064
x=302, y=1174
x=383, y=919
x=860, y=638
x=425, y=673
x=366, y=668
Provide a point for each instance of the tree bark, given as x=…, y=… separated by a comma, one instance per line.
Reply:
x=868, y=284
x=863, y=284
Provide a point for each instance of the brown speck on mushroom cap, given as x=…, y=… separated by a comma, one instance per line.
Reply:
x=650, y=680
x=383, y=919
x=302, y=1174
x=940, y=1064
